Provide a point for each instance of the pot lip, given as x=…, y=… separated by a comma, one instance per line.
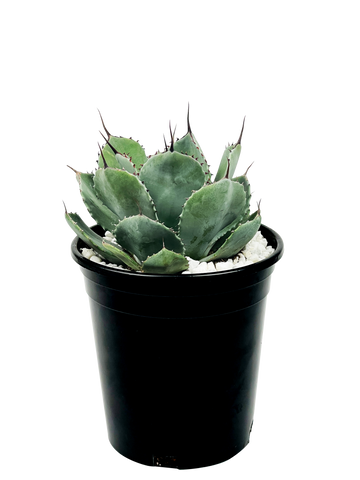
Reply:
x=271, y=236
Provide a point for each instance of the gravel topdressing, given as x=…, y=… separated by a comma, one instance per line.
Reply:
x=257, y=249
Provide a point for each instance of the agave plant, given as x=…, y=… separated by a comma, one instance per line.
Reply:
x=165, y=207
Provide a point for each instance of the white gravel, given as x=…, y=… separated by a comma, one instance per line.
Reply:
x=257, y=249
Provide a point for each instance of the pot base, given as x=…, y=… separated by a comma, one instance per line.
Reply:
x=176, y=464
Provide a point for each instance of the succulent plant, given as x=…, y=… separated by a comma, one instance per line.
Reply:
x=165, y=207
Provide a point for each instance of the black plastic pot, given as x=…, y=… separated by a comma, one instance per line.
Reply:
x=178, y=358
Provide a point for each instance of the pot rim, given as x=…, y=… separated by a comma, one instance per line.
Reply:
x=272, y=237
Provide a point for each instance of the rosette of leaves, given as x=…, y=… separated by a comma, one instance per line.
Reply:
x=167, y=205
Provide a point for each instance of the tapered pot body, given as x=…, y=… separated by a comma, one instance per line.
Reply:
x=179, y=358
